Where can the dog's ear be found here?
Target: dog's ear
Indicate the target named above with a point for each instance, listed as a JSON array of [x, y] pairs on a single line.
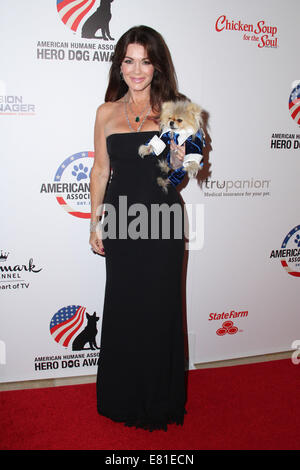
[[166, 105], [196, 110]]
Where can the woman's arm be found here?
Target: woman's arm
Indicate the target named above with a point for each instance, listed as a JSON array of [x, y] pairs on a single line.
[[99, 176]]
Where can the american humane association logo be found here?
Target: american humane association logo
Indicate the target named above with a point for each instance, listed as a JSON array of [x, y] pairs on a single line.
[[80, 17], [71, 185], [72, 327], [289, 252], [294, 104], [66, 328]]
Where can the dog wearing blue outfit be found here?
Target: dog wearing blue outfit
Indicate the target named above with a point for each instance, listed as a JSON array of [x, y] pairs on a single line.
[[180, 121]]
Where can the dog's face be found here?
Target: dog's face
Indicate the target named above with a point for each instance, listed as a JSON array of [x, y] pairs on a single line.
[[181, 115]]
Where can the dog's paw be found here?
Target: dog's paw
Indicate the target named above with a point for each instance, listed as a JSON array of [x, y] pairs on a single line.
[[192, 169], [144, 150], [163, 183], [164, 166]]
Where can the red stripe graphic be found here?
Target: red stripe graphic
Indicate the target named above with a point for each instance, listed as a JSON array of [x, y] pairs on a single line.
[[72, 10], [79, 17]]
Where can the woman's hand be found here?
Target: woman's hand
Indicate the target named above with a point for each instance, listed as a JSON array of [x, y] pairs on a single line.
[[96, 243], [177, 155]]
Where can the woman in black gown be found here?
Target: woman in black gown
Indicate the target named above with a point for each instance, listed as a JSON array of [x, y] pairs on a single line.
[[141, 370]]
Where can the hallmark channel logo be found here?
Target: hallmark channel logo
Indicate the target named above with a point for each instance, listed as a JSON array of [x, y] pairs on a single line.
[[261, 33], [14, 275], [289, 252], [71, 185]]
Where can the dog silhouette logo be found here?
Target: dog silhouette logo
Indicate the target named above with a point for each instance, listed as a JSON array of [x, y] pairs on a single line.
[[99, 20], [88, 335], [74, 13], [66, 328]]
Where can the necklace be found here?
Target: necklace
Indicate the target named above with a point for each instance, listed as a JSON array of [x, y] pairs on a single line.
[[137, 119]]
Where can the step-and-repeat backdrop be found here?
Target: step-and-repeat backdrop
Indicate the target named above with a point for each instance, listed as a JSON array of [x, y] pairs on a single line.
[[236, 58]]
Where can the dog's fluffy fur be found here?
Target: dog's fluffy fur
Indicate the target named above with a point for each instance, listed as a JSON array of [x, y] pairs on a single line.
[[177, 116]]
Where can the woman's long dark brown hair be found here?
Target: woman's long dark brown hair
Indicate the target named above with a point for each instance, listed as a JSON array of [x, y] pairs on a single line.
[[164, 83]]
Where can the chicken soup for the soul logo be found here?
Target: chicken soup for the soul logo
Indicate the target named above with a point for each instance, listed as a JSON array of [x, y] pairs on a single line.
[[260, 33]]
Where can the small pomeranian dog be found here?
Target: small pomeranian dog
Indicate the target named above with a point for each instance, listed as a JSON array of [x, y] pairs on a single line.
[[180, 121], [181, 116]]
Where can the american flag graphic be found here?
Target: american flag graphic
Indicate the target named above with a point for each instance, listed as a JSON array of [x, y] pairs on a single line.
[[71, 12], [294, 104], [58, 176], [290, 269], [65, 323]]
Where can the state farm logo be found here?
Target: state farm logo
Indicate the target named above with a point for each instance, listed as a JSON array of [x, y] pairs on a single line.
[[262, 34], [228, 326]]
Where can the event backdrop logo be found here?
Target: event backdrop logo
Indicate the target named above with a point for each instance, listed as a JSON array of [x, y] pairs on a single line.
[[294, 104], [88, 19], [240, 188], [14, 275], [289, 140], [75, 14], [65, 328], [227, 326], [72, 184], [289, 253], [16, 105], [261, 33]]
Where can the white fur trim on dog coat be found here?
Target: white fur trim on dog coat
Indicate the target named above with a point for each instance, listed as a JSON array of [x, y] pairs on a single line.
[[191, 157]]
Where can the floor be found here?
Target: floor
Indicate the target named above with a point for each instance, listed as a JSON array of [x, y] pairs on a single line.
[[92, 378]]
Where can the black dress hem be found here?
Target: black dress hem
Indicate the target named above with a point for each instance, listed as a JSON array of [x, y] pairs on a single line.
[[148, 424]]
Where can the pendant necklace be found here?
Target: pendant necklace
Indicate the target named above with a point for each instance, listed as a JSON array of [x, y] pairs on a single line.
[[137, 119]]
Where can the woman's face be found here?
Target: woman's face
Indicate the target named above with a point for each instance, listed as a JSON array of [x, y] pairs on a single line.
[[136, 68]]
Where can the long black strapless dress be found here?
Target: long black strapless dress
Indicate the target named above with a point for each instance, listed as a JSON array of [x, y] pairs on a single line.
[[141, 370]]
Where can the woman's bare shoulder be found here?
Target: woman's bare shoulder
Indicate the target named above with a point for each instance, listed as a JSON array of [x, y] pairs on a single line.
[[106, 110]]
